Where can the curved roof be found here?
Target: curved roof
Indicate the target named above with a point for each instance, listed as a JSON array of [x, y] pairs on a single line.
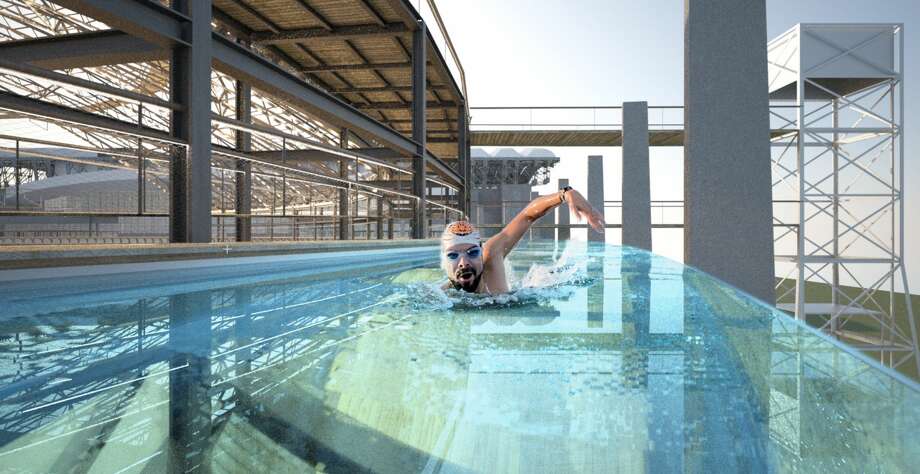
[[513, 153]]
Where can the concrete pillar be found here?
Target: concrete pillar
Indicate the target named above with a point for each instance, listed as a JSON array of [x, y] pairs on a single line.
[[244, 177], [596, 191], [728, 213], [547, 220], [190, 86], [419, 188], [563, 233], [637, 206]]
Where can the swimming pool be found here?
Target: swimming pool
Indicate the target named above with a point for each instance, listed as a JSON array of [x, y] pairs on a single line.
[[605, 359]]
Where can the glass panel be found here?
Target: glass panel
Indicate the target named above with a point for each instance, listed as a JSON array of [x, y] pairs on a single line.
[[600, 360]]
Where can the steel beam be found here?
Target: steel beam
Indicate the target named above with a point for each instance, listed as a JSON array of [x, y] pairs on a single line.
[[357, 90], [163, 27], [91, 49], [431, 104], [338, 33], [405, 12], [419, 105], [248, 66], [355, 67], [293, 156], [244, 177], [39, 109], [151, 21], [190, 86]]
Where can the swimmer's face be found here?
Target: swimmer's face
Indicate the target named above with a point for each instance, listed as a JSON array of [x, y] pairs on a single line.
[[463, 264]]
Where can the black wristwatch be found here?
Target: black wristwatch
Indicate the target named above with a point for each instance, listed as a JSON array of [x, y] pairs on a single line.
[[562, 193]]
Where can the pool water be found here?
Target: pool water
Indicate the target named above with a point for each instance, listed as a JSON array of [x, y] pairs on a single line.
[[602, 359]]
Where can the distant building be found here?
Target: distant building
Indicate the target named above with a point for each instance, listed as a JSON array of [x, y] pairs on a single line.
[[502, 186]]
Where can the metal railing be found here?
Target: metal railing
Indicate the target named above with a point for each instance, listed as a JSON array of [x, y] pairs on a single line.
[[569, 118], [428, 10], [597, 118]]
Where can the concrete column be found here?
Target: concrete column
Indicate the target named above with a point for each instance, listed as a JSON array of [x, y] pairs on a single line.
[[727, 190], [244, 177], [548, 219], [563, 233], [419, 188], [637, 206], [344, 210], [190, 86], [596, 191]]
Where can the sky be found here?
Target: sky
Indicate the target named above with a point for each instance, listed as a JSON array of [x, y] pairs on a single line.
[[605, 52]]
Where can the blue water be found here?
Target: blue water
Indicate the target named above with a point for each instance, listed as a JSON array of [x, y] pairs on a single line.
[[601, 359]]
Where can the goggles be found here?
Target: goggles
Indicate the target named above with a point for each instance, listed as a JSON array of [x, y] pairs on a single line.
[[472, 252]]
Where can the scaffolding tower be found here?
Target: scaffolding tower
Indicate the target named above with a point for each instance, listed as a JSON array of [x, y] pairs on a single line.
[[838, 166]]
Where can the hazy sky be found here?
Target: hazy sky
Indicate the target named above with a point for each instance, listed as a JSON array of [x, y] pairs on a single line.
[[593, 52]]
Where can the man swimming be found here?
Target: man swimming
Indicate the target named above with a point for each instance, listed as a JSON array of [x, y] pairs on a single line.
[[480, 268]]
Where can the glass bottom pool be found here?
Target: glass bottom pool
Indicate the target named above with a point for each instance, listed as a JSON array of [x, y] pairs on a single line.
[[603, 359]]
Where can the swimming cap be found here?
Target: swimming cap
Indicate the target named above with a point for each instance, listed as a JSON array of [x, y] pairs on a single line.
[[459, 232]]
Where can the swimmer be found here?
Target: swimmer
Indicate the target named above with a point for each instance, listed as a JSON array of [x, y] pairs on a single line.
[[480, 268]]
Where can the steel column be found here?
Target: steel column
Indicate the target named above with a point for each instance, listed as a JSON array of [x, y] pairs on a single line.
[[419, 162], [16, 173], [344, 210], [190, 85], [243, 167], [379, 227], [800, 167], [835, 267], [463, 158]]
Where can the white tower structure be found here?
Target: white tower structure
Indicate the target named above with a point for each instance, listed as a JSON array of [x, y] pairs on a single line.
[[838, 159]]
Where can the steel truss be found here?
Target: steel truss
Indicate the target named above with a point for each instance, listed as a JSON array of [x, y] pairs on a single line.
[[839, 171], [287, 190]]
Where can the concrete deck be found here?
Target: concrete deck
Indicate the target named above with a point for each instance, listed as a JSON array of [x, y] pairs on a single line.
[[40, 256]]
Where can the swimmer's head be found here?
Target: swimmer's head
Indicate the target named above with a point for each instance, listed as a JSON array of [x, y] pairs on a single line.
[[461, 255]]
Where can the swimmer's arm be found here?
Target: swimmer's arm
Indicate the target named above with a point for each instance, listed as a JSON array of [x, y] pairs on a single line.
[[503, 242]]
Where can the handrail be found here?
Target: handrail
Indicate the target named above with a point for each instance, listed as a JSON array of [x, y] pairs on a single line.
[[451, 50], [661, 118]]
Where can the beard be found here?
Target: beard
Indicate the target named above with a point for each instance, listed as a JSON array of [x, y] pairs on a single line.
[[467, 281]]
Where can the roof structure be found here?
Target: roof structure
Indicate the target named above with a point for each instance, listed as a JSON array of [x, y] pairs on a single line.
[[332, 90]]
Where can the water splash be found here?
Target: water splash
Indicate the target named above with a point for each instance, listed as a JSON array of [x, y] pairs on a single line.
[[554, 280]]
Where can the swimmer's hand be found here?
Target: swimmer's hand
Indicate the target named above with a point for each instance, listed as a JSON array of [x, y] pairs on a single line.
[[580, 208]]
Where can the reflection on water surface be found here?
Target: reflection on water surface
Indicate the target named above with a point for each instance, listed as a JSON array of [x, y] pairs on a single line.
[[601, 360]]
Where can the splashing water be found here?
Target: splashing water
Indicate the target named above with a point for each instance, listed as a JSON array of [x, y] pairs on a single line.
[[542, 282]]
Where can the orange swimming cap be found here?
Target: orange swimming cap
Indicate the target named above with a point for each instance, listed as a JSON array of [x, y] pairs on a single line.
[[459, 232]]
